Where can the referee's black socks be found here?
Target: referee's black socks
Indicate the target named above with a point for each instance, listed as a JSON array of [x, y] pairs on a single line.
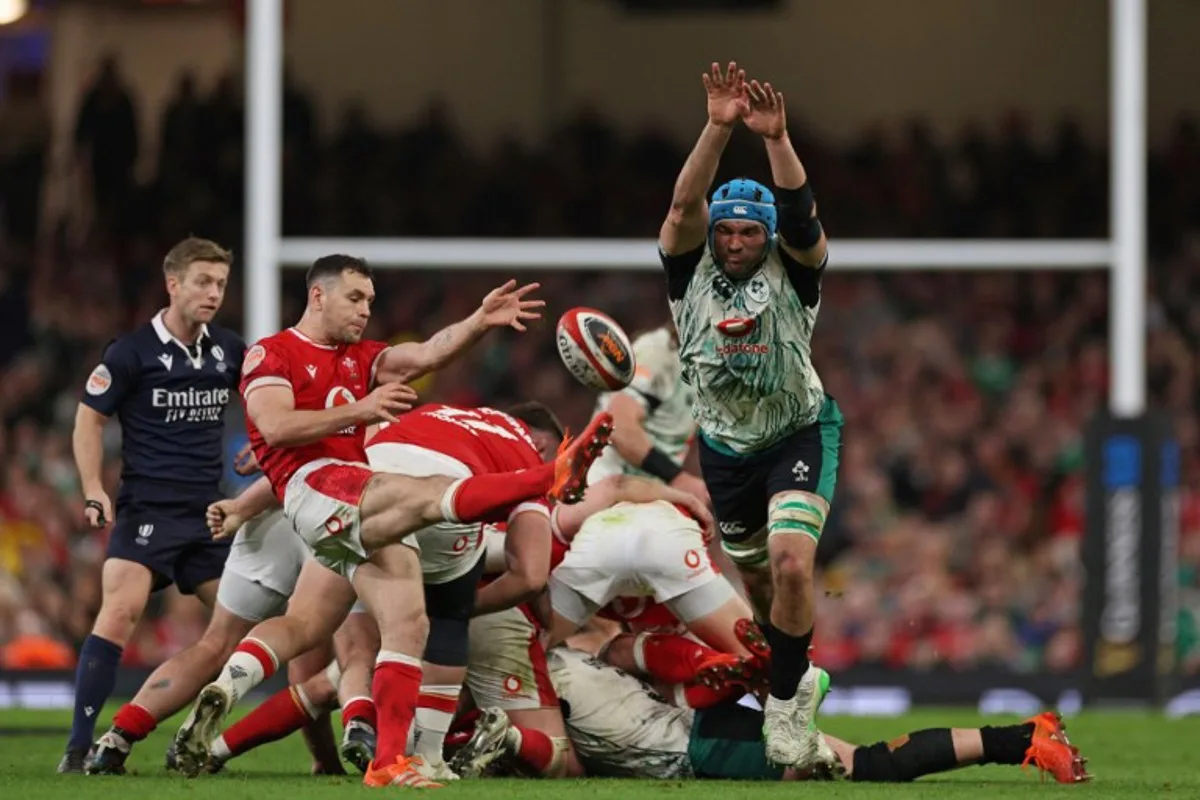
[[789, 660]]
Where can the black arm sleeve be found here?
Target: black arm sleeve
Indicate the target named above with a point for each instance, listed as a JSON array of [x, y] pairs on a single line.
[[805, 280], [680, 269]]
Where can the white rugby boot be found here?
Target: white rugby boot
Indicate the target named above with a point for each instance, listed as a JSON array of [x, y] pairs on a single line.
[[789, 726]]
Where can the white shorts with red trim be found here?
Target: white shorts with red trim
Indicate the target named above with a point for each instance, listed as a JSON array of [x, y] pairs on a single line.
[[448, 550], [322, 501], [506, 663], [635, 550]]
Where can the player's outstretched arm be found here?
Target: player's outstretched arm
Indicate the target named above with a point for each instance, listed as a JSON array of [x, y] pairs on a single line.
[[507, 306], [686, 224], [800, 231], [272, 409], [87, 440]]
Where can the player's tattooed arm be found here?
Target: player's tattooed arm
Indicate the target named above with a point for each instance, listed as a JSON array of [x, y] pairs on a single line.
[[687, 220], [507, 306]]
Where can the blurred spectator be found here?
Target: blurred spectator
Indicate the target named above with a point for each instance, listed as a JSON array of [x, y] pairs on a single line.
[[955, 537], [106, 135]]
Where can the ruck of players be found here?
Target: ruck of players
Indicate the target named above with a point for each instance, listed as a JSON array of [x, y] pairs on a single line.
[[478, 591]]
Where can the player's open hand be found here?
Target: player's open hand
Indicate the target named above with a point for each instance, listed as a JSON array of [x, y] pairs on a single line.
[[387, 401], [223, 519], [765, 113], [98, 509], [245, 462], [508, 306], [727, 100]]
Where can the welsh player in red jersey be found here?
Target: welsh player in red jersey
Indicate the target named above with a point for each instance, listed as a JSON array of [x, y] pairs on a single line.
[[309, 393], [458, 443]]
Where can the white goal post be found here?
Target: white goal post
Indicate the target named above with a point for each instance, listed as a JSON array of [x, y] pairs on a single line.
[[267, 253]]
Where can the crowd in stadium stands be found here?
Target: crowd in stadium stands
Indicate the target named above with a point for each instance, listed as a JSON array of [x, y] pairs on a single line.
[[957, 525]]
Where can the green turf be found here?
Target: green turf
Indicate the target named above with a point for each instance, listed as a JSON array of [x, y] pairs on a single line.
[[1132, 755]]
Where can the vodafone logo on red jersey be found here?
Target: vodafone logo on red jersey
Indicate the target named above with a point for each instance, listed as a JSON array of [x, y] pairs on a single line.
[[341, 396]]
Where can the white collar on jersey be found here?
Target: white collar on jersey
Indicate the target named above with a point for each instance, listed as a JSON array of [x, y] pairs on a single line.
[[166, 337], [307, 339]]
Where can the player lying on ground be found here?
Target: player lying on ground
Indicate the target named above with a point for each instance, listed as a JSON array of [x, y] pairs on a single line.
[[308, 398], [744, 284], [620, 727], [168, 382]]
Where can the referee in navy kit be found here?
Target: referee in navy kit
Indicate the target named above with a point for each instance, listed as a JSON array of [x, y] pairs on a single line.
[[168, 382]]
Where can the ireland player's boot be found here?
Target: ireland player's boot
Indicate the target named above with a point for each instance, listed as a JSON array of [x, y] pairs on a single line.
[[789, 727]]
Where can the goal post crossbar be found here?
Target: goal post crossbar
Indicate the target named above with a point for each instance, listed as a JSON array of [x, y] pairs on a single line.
[[639, 254]]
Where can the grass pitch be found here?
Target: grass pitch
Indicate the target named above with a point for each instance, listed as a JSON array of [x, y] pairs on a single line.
[[1132, 756]]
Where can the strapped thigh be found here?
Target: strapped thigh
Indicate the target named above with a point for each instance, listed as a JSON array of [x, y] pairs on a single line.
[[795, 512]]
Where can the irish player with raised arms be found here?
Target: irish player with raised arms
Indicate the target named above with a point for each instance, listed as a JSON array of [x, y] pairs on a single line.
[[744, 286], [310, 391]]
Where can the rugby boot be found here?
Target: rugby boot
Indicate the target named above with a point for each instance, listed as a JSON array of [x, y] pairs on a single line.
[[1051, 751], [109, 754], [404, 772], [202, 726], [576, 456], [792, 738], [73, 762], [485, 746], [358, 744]]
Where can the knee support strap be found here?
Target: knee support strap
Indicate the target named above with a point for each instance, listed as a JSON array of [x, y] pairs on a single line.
[[797, 512]]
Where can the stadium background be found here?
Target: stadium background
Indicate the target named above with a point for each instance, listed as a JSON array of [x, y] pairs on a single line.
[[954, 550]]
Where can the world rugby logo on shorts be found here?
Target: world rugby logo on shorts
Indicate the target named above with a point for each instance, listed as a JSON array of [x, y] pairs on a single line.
[[144, 534]]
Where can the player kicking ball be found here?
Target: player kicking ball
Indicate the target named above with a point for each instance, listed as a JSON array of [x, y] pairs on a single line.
[[310, 392]]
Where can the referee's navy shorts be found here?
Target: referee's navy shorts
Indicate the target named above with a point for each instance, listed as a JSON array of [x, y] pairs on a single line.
[[162, 528]]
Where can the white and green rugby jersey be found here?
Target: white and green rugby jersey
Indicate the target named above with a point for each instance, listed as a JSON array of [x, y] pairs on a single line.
[[657, 384], [746, 347]]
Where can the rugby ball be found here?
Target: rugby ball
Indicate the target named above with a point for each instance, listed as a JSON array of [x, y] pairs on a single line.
[[595, 349]]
